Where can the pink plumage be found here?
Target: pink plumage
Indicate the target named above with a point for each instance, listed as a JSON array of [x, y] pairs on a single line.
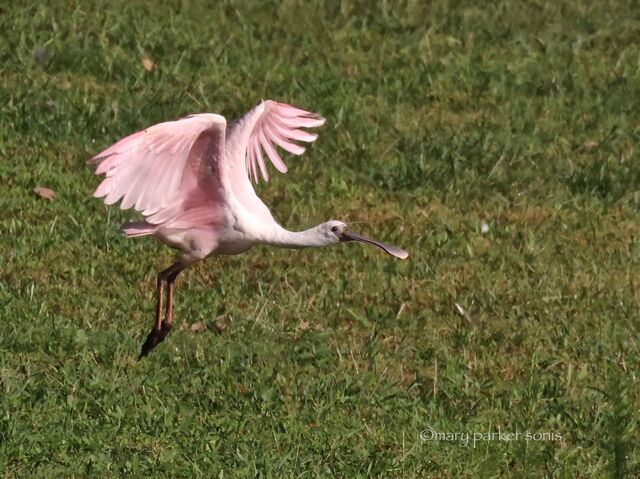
[[190, 179]]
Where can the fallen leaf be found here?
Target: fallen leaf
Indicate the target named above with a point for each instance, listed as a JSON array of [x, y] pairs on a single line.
[[148, 64], [303, 325], [218, 326], [590, 145], [45, 193], [241, 388], [198, 327]]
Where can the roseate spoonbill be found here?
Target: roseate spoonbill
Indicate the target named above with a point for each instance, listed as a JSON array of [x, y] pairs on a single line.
[[190, 180]]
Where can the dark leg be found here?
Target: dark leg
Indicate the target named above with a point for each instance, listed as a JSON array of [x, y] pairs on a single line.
[[162, 328], [168, 320]]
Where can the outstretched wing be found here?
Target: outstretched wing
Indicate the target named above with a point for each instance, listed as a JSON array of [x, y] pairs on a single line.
[[169, 172], [266, 126]]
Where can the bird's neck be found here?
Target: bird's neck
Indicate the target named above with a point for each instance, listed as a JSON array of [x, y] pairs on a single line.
[[295, 239]]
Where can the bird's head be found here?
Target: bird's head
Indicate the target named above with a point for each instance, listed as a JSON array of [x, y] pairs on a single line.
[[337, 232]]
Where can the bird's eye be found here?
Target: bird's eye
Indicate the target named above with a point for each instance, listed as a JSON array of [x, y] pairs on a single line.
[[334, 229]]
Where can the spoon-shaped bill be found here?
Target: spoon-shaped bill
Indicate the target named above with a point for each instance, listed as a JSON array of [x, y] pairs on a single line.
[[392, 250]]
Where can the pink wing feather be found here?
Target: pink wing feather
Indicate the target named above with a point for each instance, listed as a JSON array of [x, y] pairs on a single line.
[[277, 124], [164, 172], [178, 173]]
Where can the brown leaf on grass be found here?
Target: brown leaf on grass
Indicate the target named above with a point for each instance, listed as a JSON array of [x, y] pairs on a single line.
[[45, 193], [590, 145], [242, 389], [304, 325], [218, 326], [198, 327], [148, 64]]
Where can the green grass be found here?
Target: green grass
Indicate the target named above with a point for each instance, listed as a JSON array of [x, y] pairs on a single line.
[[441, 117]]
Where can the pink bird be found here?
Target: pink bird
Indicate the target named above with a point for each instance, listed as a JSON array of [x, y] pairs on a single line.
[[190, 179]]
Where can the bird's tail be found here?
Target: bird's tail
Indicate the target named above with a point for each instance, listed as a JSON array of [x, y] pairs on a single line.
[[138, 228]]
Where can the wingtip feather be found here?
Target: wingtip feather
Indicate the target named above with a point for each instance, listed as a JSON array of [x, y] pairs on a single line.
[[277, 124]]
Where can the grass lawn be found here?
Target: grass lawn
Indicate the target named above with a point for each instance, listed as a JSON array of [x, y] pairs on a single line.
[[497, 143]]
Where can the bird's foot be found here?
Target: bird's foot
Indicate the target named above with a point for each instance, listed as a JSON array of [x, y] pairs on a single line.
[[155, 337]]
